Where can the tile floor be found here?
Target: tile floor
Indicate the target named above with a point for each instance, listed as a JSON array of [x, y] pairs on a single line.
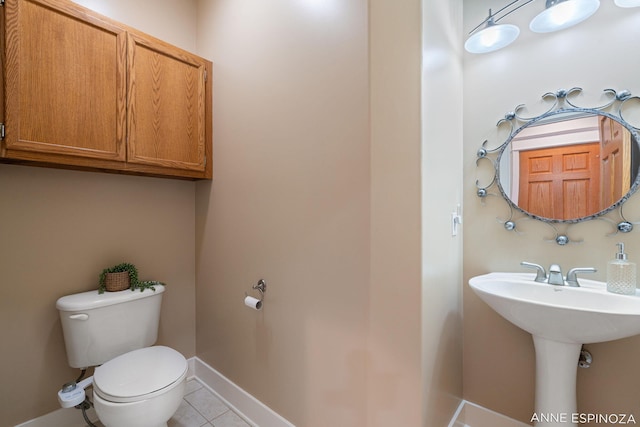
[[201, 408]]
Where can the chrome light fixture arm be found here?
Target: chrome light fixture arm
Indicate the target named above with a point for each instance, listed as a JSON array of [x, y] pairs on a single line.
[[494, 18]]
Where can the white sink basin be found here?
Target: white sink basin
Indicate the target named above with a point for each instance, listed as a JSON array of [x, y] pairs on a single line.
[[560, 319], [583, 315]]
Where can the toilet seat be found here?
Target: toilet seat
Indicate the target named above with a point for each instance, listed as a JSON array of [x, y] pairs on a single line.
[[139, 374]]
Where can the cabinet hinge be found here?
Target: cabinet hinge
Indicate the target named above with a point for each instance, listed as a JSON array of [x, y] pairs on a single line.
[[1, 2], [1, 130], [205, 71]]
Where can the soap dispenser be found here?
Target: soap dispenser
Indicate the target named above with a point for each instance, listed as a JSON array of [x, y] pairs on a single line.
[[621, 274]]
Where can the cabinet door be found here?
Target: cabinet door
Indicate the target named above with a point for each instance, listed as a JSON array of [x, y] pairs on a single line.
[[166, 105], [65, 84]]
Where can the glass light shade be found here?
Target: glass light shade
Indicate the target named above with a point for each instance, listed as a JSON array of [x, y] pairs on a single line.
[[492, 37], [563, 15], [627, 3]]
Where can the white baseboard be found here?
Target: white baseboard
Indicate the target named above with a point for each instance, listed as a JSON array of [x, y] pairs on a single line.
[[471, 414], [70, 417], [253, 411], [455, 420]]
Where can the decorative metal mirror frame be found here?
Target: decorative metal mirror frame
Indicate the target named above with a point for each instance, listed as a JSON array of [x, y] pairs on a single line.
[[561, 102]]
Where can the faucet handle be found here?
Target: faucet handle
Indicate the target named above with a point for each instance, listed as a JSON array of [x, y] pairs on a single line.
[[541, 274], [572, 277]]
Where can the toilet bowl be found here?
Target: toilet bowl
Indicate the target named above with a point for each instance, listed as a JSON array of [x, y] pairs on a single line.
[[141, 388]]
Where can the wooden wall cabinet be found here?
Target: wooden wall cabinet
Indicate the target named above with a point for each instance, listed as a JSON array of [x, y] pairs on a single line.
[[83, 91]]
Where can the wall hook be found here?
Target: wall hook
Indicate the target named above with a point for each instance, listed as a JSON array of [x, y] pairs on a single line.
[[261, 286]]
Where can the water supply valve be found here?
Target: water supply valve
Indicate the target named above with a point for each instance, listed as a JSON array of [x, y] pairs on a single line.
[[585, 359], [73, 394]]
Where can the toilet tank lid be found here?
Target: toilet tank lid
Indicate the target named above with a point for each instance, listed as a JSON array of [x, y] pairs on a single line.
[[139, 372], [92, 299]]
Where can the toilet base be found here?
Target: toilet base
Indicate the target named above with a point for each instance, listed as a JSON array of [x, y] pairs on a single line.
[[153, 412]]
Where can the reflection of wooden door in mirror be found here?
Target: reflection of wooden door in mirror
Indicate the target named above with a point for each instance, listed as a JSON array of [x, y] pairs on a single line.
[[615, 165], [561, 182]]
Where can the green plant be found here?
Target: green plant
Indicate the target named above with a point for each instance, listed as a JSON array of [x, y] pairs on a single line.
[[134, 281], [147, 284]]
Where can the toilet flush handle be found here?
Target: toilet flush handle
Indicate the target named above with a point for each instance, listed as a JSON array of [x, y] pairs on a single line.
[[79, 316]]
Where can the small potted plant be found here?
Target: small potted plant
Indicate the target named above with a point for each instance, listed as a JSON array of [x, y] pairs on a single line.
[[124, 276]]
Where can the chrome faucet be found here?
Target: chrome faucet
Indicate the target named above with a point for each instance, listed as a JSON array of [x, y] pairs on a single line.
[[555, 274]]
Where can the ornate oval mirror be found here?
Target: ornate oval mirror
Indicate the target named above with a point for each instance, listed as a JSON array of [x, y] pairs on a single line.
[[567, 165]]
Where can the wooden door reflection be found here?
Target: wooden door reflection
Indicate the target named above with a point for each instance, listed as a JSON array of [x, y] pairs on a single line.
[[561, 182]]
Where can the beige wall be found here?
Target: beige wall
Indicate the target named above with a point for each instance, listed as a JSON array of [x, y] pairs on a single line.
[[168, 20], [395, 381], [59, 229], [289, 203], [441, 195], [317, 190], [498, 357], [415, 376]]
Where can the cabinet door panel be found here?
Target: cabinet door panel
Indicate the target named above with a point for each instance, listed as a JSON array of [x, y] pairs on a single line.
[[66, 81], [166, 105]]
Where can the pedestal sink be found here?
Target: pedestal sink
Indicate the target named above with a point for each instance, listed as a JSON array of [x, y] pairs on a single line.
[[560, 319]]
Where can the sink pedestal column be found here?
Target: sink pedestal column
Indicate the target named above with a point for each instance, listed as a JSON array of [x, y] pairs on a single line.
[[556, 371]]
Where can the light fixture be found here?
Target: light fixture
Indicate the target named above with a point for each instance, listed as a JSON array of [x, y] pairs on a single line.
[[557, 15], [627, 3], [561, 14], [492, 37]]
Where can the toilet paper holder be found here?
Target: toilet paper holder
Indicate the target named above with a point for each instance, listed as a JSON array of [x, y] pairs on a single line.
[[261, 287]]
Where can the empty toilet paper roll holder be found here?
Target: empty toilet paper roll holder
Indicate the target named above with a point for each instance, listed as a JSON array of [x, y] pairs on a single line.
[[261, 287]]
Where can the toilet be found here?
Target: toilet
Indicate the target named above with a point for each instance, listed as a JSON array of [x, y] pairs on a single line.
[[135, 384]]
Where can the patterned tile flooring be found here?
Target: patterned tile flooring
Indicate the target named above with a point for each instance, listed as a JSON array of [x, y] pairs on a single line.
[[201, 408]]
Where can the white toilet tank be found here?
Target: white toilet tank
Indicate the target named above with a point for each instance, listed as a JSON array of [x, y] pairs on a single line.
[[99, 327]]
